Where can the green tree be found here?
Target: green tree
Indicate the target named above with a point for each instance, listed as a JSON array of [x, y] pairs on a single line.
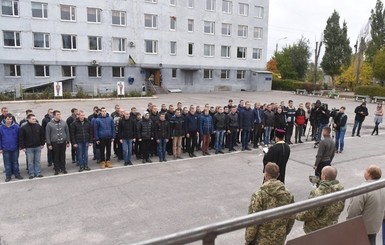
[[377, 30], [292, 61], [337, 47], [348, 79], [379, 66]]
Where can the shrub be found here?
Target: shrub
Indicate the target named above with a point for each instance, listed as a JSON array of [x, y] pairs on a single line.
[[370, 91], [67, 95], [134, 93], [81, 94], [292, 85]]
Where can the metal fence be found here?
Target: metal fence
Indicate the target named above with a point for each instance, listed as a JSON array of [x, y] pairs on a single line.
[[207, 234]]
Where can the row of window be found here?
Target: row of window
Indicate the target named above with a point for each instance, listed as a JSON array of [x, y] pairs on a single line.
[[68, 12], [96, 72], [69, 42]]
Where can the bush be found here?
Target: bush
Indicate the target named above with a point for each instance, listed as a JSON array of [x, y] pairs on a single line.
[[370, 91], [292, 85], [134, 93], [81, 94]]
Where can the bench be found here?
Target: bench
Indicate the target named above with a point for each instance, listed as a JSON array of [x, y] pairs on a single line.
[[318, 93], [378, 98], [300, 91], [334, 95], [361, 97]]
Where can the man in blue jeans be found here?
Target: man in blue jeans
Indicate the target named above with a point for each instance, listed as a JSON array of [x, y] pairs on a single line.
[[81, 139], [220, 125], [9, 146], [127, 132], [340, 127], [361, 112], [246, 125], [162, 134]]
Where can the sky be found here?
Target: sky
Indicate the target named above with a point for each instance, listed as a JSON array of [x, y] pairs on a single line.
[[296, 18]]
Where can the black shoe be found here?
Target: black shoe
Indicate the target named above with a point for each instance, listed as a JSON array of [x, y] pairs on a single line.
[[148, 160], [194, 155], [352, 135], [87, 168], [125, 163], [40, 176], [65, 171], [49, 164], [129, 163], [7, 179], [358, 135], [300, 142], [160, 160], [221, 152], [19, 177], [207, 153], [164, 160], [56, 172], [248, 149], [216, 152], [295, 142], [144, 161], [179, 157], [73, 161], [30, 177], [81, 169], [190, 155]]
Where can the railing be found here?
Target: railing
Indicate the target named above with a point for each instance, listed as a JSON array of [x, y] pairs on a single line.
[[207, 234]]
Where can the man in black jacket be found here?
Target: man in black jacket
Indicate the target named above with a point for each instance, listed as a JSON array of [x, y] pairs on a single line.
[[220, 125], [361, 112], [162, 134], [326, 151], [145, 136], [32, 140], [192, 131], [233, 127], [340, 127], [127, 132], [69, 121], [81, 139], [47, 118], [246, 125]]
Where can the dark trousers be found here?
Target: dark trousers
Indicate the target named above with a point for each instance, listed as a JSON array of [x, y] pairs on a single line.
[[145, 148], [320, 166], [257, 133], [118, 149], [233, 138], [289, 132], [191, 142], [49, 156], [59, 156], [357, 125], [73, 153], [372, 239], [375, 130], [298, 132], [105, 149]]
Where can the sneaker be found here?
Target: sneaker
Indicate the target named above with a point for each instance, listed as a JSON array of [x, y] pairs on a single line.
[[179, 157], [358, 135], [81, 169], [65, 171], [7, 179], [73, 161], [49, 164], [19, 177], [87, 168], [30, 177], [300, 142], [160, 160]]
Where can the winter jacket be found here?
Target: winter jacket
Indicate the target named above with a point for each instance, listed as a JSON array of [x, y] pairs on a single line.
[[104, 127], [47, 118], [272, 193], [81, 131], [145, 129], [169, 115], [324, 216], [162, 129], [9, 137], [259, 116], [192, 123], [233, 120], [300, 116], [246, 119], [57, 132], [340, 121], [280, 121], [290, 115], [361, 113], [177, 125], [127, 128], [220, 121], [269, 118], [31, 135], [206, 124]]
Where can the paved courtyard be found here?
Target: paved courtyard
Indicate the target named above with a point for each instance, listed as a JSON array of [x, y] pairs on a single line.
[[124, 205]]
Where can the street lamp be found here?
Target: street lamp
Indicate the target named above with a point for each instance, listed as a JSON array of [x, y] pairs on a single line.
[[276, 45]]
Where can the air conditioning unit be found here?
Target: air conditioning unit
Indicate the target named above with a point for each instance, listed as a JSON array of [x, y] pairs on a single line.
[[131, 44], [94, 62]]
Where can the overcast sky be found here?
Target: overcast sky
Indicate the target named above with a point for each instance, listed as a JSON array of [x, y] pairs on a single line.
[[296, 18]]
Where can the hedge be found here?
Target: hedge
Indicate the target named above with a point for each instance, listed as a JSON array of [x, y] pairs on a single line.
[[292, 85], [370, 91]]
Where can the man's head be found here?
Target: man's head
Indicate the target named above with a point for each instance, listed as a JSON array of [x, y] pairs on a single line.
[[271, 171], [171, 108], [74, 111], [126, 114], [192, 109], [103, 111], [56, 115], [280, 134], [233, 109], [4, 111], [178, 112], [133, 109], [31, 118], [373, 172], [342, 109], [8, 119], [81, 115], [220, 109], [326, 131], [247, 104], [329, 173], [268, 107], [290, 103], [363, 104], [154, 109], [28, 111], [164, 107], [50, 112], [162, 116], [257, 105]]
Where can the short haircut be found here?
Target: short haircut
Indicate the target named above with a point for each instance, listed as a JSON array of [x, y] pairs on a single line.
[[272, 170], [81, 111], [9, 115], [30, 115], [102, 108], [327, 130], [3, 108], [55, 112], [374, 171], [73, 110], [343, 107], [290, 101], [28, 111], [178, 110]]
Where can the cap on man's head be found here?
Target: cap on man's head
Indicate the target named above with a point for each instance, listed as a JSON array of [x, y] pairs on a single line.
[[280, 133]]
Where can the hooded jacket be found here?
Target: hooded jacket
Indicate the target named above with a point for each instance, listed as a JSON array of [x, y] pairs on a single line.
[[9, 137], [104, 127], [321, 217], [272, 193]]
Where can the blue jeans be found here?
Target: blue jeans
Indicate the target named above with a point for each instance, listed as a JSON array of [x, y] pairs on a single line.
[[127, 149], [33, 157], [245, 138], [319, 132], [340, 137], [357, 125], [82, 154], [267, 135], [219, 139], [162, 148], [11, 163]]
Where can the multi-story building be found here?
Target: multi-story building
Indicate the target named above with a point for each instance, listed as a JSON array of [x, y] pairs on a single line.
[[192, 45]]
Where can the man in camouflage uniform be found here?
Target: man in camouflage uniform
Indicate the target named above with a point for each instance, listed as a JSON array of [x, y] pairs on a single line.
[[321, 217], [272, 193]]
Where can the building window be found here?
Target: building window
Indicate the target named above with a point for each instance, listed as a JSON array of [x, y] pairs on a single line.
[[150, 21], [68, 71], [118, 71], [257, 53], [190, 3], [150, 1], [39, 10], [242, 31], [241, 74], [190, 49], [41, 40], [226, 29], [225, 51], [68, 12], [12, 70], [118, 18], [173, 73], [173, 2], [259, 10], [225, 74], [11, 39], [208, 74], [258, 33], [208, 50], [94, 15], [241, 52], [243, 9], [94, 71], [190, 25], [118, 44], [151, 46], [173, 23], [210, 5], [173, 48], [95, 43], [41, 71], [227, 6], [10, 7], [209, 27], [69, 42]]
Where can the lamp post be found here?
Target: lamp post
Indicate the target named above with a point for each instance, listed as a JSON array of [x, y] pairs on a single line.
[[276, 45]]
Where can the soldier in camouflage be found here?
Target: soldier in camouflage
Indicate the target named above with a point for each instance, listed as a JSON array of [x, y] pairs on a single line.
[[327, 215], [272, 193]]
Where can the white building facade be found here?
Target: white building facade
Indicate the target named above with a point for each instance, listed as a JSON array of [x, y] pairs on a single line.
[[191, 45]]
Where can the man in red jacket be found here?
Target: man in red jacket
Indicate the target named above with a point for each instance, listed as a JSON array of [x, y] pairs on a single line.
[[299, 123]]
